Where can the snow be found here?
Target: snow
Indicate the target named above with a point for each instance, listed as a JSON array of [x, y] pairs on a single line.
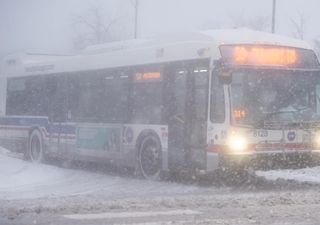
[[47, 194], [310, 175], [20, 179]]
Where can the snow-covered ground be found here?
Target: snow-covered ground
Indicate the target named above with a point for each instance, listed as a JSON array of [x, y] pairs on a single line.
[[310, 175], [20, 179], [45, 194]]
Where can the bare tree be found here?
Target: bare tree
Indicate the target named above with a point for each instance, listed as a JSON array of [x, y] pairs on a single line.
[[299, 26], [261, 23], [93, 27]]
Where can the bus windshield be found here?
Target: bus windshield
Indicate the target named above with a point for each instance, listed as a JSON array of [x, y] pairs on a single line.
[[261, 97]]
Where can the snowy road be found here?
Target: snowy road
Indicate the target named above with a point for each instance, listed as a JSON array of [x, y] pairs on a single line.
[[24, 180], [45, 194]]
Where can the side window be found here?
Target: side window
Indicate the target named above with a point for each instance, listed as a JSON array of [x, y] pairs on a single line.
[[116, 92], [86, 94], [74, 98], [56, 97], [99, 96], [25, 96], [147, 97], [16, 97], [217, 107]]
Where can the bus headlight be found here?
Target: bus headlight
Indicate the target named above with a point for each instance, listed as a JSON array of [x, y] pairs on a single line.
[[316, 140], [237, 143]]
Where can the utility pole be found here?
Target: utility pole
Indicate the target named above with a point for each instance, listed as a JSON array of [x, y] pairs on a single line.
[[136, 7], [273, 16]]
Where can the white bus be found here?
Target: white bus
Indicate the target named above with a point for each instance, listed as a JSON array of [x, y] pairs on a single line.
[[194, 101]]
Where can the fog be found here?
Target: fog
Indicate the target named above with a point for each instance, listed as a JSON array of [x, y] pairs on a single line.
[[45, 26], [230, 138]]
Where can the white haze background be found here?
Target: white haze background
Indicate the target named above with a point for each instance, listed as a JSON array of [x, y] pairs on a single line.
[[44, 26]]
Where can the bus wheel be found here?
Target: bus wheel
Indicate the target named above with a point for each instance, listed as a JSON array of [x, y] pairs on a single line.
[[150, 158], [35, 150]]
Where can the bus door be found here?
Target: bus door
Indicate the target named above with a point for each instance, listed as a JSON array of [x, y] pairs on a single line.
[[196, 109], [175, 99], [185, 98]]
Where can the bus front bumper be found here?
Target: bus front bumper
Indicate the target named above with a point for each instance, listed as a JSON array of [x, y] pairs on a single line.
[[264, 160]]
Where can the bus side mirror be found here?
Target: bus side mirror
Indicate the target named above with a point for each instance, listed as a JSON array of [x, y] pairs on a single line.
[[225, 77]]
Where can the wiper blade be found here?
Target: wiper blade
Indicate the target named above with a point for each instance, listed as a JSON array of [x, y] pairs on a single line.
[[280, 112], [265, 119]]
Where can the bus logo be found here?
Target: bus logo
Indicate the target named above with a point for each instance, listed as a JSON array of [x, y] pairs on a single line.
[[291, 136]]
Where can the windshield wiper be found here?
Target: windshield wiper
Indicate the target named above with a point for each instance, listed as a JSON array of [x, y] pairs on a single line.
[[294, 110], [282, 123], [266, 116]]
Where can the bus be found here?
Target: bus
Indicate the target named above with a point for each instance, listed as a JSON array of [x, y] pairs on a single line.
[[194, 102]]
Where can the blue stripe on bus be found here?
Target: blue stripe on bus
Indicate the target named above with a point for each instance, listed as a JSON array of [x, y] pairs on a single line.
[[38, 122], [63, 128]]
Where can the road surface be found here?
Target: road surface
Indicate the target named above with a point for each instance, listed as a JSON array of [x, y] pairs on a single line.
[[47, 194]]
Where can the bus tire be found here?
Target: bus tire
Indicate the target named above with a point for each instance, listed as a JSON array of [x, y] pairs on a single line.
[[149, 165], [35, 147]]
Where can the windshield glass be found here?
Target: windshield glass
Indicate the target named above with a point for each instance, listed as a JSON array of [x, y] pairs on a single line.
[[260, 97]]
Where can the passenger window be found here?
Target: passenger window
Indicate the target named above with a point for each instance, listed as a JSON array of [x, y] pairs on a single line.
[[99, 97], [217, 101], [147, 97]]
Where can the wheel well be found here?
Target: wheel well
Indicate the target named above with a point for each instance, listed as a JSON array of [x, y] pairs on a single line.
[[32, 129]]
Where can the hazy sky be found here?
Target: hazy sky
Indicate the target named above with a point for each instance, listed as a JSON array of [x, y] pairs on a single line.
[[45, 25]]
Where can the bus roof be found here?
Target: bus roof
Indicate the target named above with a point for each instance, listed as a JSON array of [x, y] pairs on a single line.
[[177, 47]]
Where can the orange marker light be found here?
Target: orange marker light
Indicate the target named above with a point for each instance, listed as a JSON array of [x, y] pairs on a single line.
[[147, 76], [151, 75], [239, 113]]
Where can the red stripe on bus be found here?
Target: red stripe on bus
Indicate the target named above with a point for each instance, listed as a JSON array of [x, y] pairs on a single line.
[[263, 147], [14, 128]]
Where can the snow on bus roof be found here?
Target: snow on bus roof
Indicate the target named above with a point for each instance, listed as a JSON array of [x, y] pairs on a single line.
[[221, 36], [247, 36], [234, 36], [175, 47], [113, 46]]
